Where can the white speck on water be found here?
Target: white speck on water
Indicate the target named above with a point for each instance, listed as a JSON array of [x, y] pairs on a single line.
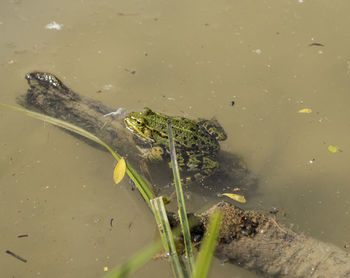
[[300, 1], [320, 52], [257, 51], [54, 26], [107, 87]]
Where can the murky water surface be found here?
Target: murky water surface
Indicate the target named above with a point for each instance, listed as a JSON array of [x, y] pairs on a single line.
[[271, 58]]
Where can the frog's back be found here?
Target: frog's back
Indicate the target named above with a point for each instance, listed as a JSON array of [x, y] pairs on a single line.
[[193, 136]]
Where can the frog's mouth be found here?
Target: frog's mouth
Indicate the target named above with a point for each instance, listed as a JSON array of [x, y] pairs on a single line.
[[138, 128], [132, 124]]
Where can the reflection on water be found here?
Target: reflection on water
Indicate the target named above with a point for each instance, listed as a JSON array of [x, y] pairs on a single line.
[[270, 58]]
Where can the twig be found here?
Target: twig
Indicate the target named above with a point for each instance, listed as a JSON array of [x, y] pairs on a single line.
[[16, 256]]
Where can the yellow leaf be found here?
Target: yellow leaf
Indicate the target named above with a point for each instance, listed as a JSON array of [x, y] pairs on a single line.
[[333, 149], [119, 171], [305, 111], [236, 197]]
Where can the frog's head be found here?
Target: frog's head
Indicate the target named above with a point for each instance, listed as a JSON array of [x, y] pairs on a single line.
[[137, 123]]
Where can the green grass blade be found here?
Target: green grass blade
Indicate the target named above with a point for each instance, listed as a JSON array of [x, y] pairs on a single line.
[[135, 262], [140, 183], [167, 236], [208, 247], [181, 201]]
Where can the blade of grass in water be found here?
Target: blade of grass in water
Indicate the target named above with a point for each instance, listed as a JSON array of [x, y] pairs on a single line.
[[140, 183], [181, 201], [135, 262], [206, 252], [167, 236]]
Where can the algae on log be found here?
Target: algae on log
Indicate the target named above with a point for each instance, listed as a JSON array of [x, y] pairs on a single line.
[[247, 238]]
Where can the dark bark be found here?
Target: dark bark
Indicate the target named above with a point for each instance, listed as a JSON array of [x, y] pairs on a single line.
[[252, 240]]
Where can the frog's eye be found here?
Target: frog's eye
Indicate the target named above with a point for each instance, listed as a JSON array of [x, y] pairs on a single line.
[[138, 122]]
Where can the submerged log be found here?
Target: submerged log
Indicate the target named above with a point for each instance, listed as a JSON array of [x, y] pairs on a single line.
[[247, 238]]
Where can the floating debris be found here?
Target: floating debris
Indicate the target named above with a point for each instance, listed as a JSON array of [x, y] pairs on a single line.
[[334, 149], [54, 26], [25, 235], [312, 160], [119, 111], [305, 111], [316, 44], [16, 256]]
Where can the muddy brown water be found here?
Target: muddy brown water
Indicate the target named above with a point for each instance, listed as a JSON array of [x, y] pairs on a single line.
[[270, 58]]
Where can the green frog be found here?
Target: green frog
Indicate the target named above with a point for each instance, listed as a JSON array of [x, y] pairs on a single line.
[[196, 141]]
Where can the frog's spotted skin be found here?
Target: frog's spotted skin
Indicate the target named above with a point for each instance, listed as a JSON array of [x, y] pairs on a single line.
[[196, 142]]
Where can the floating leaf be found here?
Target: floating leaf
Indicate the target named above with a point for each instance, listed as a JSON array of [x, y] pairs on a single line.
[[333, 149], [119, 171], [305, 111], [236, 197]]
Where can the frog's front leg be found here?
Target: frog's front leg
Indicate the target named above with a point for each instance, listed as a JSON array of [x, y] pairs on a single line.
[[154, 153]]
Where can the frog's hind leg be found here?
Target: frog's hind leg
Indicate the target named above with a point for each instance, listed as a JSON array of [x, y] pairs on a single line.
[[213, 128], [209, 166], [197, 167]]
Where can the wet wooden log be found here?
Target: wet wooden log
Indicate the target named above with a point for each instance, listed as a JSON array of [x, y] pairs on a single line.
[[257, 242], [247, 238]]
